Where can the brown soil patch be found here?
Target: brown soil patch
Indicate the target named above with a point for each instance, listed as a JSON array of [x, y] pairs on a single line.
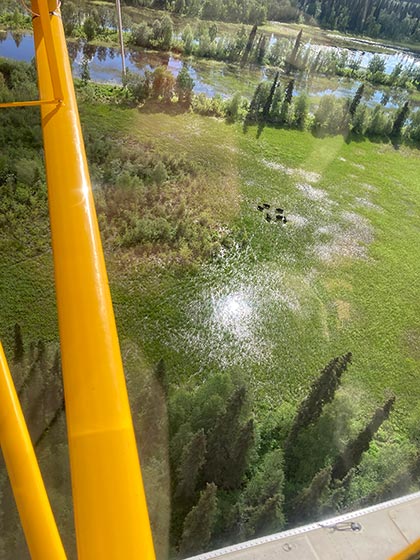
[[411, 341], [343, 310]]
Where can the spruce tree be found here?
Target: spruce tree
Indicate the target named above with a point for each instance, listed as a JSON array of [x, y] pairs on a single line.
[[18, 348], [262, 49], [261, 504], [249, 45], [308, 502], [192, 460], [297, 45], [400, 120], [254, 105], [288, 95], [292, 62], [229, 443], [239, 455], [356, 99], [269, 101], [352, 454], [199, 523], [184, 85]]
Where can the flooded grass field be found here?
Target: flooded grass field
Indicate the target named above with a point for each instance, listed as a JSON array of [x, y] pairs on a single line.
[[282, 299]]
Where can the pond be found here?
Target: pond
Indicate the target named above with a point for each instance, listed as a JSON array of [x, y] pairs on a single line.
[[210, 77]]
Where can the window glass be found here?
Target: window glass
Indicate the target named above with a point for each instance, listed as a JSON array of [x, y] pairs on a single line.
[[255, 173]]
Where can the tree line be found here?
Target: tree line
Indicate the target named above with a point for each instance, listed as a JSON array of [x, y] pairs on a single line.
[[275, 104], [386, 19], [377, 18]]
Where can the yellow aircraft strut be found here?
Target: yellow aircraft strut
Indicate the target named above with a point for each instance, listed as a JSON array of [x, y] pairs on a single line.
[[110, 509], [28, 487]]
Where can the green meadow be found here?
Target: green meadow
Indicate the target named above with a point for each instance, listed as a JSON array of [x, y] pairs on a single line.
[[276, 301], [280, 300]]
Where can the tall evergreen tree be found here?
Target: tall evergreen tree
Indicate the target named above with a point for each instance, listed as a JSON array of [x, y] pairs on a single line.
[[296, 47], [400, 120], [261, 504], [249, 45], [229, 444], [254, 105], [269, 101], [292, 61], [239, 455], [356, 99], [192, 460], [352, 454], [307, 503], [261, 49], [199, 523], [288, 95]]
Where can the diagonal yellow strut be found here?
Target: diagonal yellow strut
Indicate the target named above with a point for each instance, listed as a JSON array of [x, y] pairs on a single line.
[[28, 488]]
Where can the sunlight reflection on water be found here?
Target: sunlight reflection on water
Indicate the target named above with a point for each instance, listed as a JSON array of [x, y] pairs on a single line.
[[237, 322], [233, 312]]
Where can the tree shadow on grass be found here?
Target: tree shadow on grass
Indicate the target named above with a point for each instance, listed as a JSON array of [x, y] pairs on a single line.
[[321, 441], [260, 124], [153, 106]]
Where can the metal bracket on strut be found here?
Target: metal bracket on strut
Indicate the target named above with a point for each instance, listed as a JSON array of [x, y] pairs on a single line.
[[44, 15]]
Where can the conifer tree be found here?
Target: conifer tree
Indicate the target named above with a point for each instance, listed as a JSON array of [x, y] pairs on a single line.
[[261, 505], [199, 523], [307, 504], [356, 99], [229, 443], [192, 460], [254, 105], [269, 101], [288, 95], [249, 45], [239, 455], [261, 49], [400, 120], [18, 350], [297, 45], [352, 454], [252, 111], [292, 62]]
